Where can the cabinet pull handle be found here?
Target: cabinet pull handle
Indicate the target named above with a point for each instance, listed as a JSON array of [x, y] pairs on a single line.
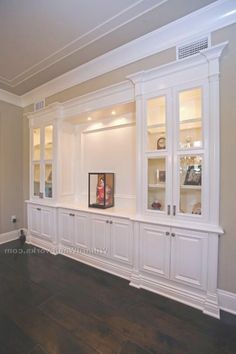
[[107, 221], [174, 210], [167, 233], [39, 209], [111, 222], [72, 214], [168, 209], [172, 234], [41, 195]]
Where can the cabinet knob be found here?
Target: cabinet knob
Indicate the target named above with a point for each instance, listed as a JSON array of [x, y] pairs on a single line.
[[111, 222], [107, 221], [172, 234], [39, 209], [72, 214], [167, 233]]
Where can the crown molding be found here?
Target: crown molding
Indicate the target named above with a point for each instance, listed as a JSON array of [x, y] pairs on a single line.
[[212, 17], [217, 15], [136, 10], [10, 98]]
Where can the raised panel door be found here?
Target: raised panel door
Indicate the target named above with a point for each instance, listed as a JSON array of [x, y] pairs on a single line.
[[189, 257], [47, 224], [66, 227], [35, 220], [121, 240], [155, 249], [100, 232], [82, 231]]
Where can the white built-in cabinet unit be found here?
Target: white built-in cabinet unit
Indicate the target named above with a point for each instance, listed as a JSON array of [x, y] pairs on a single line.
[[159, 133]]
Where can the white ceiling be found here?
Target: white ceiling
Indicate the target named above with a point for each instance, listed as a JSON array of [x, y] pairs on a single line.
[[42, 39]]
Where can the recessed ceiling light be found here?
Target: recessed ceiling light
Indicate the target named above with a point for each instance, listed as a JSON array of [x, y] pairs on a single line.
[[89, 118], [113, 113]]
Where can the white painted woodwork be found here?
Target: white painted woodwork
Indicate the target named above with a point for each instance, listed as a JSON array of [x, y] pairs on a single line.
[[100, 233], [121, 240], [155, 250], [173, 255], [42, 223], [81, 231], [66, 227], [189, 257]]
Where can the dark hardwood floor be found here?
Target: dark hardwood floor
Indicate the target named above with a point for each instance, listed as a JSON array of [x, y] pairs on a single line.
[[52, 304]]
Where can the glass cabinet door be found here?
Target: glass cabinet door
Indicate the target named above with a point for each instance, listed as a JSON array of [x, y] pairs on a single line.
[[190, 184], [156, 124], [190, 119], [156, 198], [42, 162]]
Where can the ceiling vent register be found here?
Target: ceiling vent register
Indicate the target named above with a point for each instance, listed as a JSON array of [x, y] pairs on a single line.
[[193, 48], [39, 105]]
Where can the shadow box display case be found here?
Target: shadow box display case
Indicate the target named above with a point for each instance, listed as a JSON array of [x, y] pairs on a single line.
[[101, 190]]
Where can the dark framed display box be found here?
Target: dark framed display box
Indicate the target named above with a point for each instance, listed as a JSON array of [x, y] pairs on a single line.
[[101, 190]]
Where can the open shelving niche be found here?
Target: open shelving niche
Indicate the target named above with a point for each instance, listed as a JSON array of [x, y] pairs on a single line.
[[105, 141]]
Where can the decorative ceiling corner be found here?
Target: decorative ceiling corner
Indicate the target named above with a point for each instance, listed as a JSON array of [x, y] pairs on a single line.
[[41, 40]]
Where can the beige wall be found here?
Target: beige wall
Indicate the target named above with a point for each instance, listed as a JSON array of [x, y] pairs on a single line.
[[227, 252], [11, 167]]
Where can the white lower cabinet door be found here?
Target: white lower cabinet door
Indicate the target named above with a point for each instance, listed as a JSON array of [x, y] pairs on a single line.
[[82, 236], [34, 212], [155, 249], [121, 240], [66, 227], [47, 224], [189, 257], [100, 233]]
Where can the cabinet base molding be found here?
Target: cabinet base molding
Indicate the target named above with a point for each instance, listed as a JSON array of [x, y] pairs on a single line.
[[9, 236], [227, 301], [47, 246], [187, 297]]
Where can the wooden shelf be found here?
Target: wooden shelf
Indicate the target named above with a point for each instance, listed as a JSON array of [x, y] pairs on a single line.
[[157, 185], [187, 186]]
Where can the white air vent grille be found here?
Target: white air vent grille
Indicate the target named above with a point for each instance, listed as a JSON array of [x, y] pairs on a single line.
[[39, 105], [192, 48]]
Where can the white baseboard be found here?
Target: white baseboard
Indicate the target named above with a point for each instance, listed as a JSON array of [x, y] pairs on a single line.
[[9, 236], [227, 301]]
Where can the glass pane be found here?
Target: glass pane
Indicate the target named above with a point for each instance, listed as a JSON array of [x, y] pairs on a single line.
[[190, 119], [48, 142], [190, 185], [156, 183], [36, 144], [36, 179], [48, 180], [156, 123]]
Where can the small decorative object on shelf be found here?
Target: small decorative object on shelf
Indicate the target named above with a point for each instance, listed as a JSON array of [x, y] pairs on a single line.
[[101, 190], [161, 143], [197, 209], [162, 176], [194, 175], [156, 205]]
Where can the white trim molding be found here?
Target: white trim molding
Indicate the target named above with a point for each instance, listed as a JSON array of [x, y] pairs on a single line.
[[10, 98], [217, 15], [227, 301], [9, 236]]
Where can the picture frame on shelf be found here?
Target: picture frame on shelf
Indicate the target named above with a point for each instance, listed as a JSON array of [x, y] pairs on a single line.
[[161, 143], [193, 176]]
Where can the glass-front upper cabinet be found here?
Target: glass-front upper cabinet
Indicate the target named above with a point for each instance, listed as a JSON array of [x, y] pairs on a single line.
[[189, 164], [42, 162], [156, 151], [174, 150]]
